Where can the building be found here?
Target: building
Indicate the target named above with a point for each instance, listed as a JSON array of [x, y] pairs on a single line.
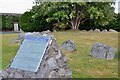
[[9, 21]]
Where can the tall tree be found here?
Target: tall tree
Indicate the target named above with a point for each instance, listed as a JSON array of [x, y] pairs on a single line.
[[73, 14]]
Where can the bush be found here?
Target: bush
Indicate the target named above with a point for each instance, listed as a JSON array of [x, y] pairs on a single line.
[[29, 24]]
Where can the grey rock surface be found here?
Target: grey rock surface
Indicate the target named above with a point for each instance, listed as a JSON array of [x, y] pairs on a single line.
[[61, 72], [102, 51], [111, 30], [91, 30], [105, 30], [53, 65], [69, 45], [96, 30], [53, 74]]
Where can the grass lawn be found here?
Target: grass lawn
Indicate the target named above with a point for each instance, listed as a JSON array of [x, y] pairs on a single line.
[[81, 64]]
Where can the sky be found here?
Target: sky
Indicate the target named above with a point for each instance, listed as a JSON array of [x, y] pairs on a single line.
[[20, 6], [15, 6]]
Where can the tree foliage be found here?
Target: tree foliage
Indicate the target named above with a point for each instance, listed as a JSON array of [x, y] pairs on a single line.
[[29, 22], [67, 14]]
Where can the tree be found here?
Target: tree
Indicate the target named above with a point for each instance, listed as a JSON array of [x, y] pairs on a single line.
[[69, 14], [74, 14], [9, 22], [30, 21], [26, 22]]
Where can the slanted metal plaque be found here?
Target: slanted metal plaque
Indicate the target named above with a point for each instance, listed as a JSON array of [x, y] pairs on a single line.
[[30, 53]]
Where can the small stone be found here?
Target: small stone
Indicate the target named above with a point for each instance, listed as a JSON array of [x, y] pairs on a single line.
[[20, 71], [1, 75], [17, 75], [61, 63], [54, 31], [105, 30], [11, 75], [55, 45], [111, 30], [58, 55], [64, 59], [96, 30], [68, 72], [43, 63], [10, 70], [61, 72], [30, 74], [91, 30], [5, 74], [69, 45], [52, 63], [53, 74], [43, 72], [51, 51]]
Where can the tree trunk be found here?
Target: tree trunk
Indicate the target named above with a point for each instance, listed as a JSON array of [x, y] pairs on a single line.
[[75, 23]]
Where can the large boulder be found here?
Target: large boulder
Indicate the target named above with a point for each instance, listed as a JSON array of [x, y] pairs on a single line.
[[102, 51], [53, 65], [69, 45]]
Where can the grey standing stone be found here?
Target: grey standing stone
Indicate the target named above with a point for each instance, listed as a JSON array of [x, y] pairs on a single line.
[[102, 51], [69, 45]]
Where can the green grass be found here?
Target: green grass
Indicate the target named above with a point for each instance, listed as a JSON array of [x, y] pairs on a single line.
[[0, 51], [8, 49], [81, 64]]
